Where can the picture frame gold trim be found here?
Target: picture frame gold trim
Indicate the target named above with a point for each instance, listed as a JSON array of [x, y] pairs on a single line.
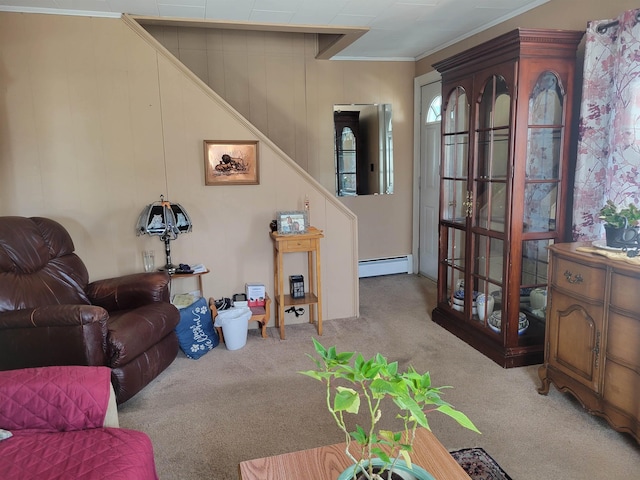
[[231, 162]]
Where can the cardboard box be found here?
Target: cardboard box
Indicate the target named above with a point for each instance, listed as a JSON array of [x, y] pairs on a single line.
[[255, 294]]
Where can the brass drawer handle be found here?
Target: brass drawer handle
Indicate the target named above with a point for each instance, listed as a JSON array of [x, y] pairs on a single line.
[[596, 350], [573, 278]]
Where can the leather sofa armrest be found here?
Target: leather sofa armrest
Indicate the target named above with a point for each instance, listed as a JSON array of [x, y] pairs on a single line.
[[53, 335], [129, 291], [54, 316]]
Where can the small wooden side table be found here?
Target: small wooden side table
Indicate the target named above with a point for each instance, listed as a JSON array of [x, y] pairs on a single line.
[[258, 314], [301, 242], [178, 276]]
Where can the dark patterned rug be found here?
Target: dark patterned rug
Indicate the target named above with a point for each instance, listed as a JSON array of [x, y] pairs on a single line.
[[479, 465]]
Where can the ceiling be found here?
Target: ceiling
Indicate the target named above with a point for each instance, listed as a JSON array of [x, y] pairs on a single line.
[[395, 29]]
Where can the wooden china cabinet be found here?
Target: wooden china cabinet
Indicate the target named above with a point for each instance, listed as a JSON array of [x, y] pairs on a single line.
[[507, 109]]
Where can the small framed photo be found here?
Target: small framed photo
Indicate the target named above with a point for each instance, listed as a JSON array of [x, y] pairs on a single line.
[[291, 223], [231, 162]]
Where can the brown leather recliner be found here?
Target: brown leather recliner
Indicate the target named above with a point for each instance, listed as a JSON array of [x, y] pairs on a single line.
[[51, 315]]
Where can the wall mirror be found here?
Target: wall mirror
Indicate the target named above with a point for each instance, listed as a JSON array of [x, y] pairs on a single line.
[[363, 149]]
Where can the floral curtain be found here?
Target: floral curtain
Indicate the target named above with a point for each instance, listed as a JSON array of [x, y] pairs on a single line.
[[608, 158]]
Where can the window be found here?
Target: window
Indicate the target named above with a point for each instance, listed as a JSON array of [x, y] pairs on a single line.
[[434, 113]]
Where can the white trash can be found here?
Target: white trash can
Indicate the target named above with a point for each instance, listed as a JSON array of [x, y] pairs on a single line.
[[235, 326]]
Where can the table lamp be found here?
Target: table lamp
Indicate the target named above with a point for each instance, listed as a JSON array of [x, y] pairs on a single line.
[[166, 220]]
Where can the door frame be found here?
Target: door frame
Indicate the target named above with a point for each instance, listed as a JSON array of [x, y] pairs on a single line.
[[418, 83]]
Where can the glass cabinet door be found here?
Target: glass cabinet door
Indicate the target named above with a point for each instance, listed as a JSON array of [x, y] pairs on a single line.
[[454, 191], [544, 141], [490, 193], [542, 179], [492, 156], [455, 157]]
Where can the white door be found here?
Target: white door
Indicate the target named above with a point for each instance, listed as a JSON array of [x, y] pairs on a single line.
[[429, 178]]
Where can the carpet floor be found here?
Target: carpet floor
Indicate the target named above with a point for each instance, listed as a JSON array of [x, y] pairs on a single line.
[[479, 465], [206, 416]]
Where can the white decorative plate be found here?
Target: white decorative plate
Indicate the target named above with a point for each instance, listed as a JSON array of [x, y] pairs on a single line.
[[603, 245]]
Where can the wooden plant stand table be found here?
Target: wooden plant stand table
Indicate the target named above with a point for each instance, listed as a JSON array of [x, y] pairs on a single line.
[[303, 242], [326, 463]]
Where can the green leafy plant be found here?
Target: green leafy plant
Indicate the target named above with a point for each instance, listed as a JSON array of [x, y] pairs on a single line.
[[625, 217], [351, 382]]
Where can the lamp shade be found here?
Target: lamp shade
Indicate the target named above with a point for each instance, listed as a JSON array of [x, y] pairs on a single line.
[[166, 220]]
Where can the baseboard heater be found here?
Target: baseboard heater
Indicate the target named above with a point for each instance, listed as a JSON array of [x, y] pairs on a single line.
[[385, 266]]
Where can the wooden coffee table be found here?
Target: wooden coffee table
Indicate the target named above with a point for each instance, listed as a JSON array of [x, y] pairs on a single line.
[[326, 463]]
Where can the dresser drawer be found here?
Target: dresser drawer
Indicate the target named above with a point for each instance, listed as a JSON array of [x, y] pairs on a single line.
[[296, 245], [623, 338], [621, 386], [574, 277], [625, 292]]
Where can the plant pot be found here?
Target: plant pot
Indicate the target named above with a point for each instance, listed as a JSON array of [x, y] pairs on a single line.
[[621, 237], [400, 472]]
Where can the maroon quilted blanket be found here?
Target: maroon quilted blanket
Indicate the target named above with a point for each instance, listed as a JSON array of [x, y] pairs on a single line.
[[55, 416]]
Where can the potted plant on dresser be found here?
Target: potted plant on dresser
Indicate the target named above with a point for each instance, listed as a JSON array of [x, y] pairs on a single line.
[[621, 224], [352, 382]]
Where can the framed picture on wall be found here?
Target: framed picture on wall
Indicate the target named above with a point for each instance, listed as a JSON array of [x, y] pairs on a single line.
[[231, 162], [291, 223]]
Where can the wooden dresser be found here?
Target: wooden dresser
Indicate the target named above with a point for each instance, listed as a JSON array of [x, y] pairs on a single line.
[[592, 343]]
